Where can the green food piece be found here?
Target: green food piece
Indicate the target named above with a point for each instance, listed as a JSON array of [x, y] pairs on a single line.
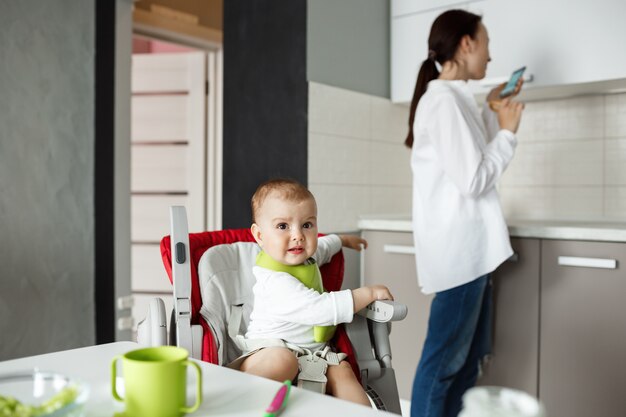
[[11, 407]]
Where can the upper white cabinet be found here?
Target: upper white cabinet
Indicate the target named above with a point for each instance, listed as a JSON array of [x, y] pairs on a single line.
[[402, 7], [568, 47], [409, 48]]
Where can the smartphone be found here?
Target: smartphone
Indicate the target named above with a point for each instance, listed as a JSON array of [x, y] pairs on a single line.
[[509, 88]]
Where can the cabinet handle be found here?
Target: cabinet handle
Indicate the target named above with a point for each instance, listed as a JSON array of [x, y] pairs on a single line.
[[400, 249], [587, 262]]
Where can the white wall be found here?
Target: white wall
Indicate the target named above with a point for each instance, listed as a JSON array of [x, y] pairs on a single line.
[[357, 162], [570, 161]]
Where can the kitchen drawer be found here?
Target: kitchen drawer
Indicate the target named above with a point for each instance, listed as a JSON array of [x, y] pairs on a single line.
[[388, 260], [583, 332], [515, 347]]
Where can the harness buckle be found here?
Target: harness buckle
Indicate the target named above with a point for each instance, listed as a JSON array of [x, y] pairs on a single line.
[[312, 373]]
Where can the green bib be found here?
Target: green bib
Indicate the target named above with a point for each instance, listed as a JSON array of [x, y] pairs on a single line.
[[309, 275]]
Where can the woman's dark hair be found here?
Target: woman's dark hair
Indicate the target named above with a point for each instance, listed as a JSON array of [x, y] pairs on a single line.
[[445, 36]]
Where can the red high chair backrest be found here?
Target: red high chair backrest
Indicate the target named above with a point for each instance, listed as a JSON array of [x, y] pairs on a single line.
[[332, 276]]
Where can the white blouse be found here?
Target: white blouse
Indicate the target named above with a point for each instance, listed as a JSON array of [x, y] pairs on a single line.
[[457, 158]]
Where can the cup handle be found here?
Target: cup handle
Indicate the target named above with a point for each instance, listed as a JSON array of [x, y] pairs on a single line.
[[198, 388], [114, 378]]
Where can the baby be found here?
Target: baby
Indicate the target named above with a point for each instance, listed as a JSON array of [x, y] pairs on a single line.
[[289, 301]]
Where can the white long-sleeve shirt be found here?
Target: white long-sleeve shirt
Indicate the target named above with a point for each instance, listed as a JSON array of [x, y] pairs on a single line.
[[457, 158], [284, 308]]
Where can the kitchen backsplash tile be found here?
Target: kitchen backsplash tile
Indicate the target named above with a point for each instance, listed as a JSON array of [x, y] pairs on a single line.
[[390, 164], [340, 205], [527, 202], [388, 199], [340, 159], [615, 203], [340, 112], [570, 162], [390, 122], [570, 156], [575, 163], [615, 117], [615, 161], [358, 163], [568, 119], [580, 202]]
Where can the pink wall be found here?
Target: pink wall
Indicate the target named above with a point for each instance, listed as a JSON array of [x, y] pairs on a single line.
[[151, 46]]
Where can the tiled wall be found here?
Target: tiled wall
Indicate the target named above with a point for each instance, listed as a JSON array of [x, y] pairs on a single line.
[[569, 163], [357, 161]]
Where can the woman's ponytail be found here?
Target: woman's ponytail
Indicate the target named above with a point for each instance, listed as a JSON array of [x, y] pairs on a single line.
[[445, 35], [428, 72]]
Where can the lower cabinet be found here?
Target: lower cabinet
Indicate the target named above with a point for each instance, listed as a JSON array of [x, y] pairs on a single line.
[[390, 260], [515, 344], [583, 329], [559, 320]]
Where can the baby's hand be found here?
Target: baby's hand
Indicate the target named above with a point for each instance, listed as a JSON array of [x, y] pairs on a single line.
[[366, 295], [380, 292], [353, 242]]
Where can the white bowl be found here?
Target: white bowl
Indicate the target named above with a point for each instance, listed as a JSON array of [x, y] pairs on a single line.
[[38, 393]]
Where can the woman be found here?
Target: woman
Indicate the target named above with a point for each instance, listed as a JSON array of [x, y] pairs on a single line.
[[460, 234]]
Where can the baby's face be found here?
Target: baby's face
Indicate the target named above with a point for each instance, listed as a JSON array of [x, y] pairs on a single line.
[[287, 230]]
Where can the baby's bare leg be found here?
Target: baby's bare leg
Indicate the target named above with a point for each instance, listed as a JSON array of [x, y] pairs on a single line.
[[275, 363], [342, 383]]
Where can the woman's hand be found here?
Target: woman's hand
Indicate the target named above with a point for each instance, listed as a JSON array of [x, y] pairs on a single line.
[[510, 114], [353, 242], [493, 98]]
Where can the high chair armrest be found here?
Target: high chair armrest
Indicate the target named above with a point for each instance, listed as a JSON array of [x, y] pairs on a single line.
[[383, 311]]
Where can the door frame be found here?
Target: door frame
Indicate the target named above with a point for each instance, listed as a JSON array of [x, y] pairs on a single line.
[[214, 51]]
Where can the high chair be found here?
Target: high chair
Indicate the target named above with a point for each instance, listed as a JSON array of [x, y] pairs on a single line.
[[212, 277]]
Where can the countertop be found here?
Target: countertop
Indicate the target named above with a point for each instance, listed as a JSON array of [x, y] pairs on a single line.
[[541, 229]]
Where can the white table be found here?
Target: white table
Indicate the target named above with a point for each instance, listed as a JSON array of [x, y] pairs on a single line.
[[225, 392]]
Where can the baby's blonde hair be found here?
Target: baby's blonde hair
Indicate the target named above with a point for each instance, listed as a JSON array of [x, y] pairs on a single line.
[[288, 189]]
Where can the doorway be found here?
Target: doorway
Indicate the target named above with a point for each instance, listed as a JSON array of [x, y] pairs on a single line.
[[176, 153]]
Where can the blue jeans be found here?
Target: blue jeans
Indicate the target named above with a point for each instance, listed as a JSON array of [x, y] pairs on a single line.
[[459, 336]]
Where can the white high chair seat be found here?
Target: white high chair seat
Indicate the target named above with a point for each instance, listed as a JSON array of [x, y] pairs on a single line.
[[226, 279]]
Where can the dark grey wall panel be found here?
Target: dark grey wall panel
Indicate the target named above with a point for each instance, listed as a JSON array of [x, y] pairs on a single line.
[[348, 44], [46, 176], [265, 99], [104, 171]]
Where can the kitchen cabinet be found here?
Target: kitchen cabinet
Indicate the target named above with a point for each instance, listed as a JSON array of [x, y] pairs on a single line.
[[568, 47], [409, 48], [515, 349], [559, 315], [583, 332], [390, 260], [403, 7]]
